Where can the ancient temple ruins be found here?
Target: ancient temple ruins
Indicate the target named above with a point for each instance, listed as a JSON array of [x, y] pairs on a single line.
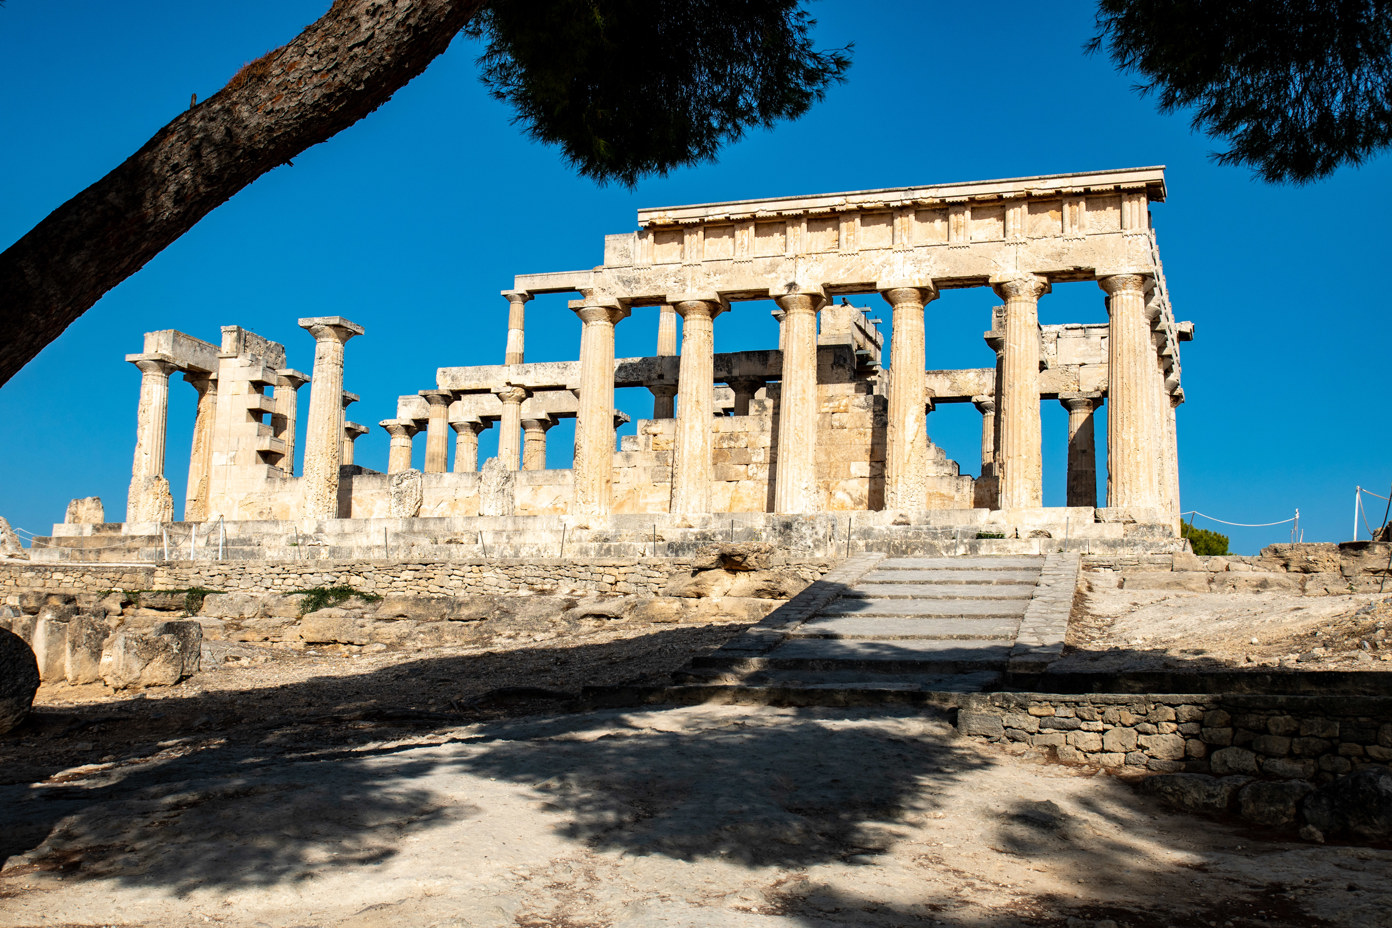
[[818, 424]]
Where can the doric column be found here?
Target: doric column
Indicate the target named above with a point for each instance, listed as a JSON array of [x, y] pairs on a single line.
[[437, 431], [517, 315], [906, 444], [466, 433], [1171, 457], [594, 420], [324, 428], [1131, 441], [150, 423], [510, 430], [795, 488], [352, 431], [283, 420], [399, 451], [779, 315], [744, 389], [201, 448], [664, 400], [666, 335], [691, 468], [986, 405], [1018, 457], [1082, 447], [534, 441]]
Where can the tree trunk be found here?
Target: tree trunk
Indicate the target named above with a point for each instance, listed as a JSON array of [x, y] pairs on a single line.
[[338, 70]]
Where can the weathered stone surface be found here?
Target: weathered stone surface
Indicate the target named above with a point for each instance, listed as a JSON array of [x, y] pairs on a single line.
[[10, 545], [138, 658], [981, 725], [1274, 803], [83, 648], [85, 511], [497, 489], [164, 600], [1357, 805], [422, 608], [336, 626], [51, 648], [733, 557], [1194, 792], [19, 680], [189, 635], [406, 494], [1163, 747], [1233, 760], [1303, 558]]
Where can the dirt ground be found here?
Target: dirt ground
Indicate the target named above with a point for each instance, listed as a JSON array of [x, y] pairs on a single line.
[[460, 787]]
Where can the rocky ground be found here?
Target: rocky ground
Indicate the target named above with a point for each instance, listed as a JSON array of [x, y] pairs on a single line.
[[460, 786], [1148, 629]]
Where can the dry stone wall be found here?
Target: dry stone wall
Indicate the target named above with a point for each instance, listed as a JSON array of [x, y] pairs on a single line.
[[1312, 569]]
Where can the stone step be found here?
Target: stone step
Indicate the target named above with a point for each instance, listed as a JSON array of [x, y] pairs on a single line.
[[961, 563], [907, 575], [926, 607], [889, 629], [923, 654], [886, 589]]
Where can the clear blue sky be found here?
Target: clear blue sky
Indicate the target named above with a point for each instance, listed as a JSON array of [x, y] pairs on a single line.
[[412, 221]]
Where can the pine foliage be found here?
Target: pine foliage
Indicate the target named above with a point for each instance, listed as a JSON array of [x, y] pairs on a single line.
[[628, 88], [1298, 87]]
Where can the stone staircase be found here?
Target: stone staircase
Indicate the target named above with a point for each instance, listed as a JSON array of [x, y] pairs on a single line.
[[894, 629]]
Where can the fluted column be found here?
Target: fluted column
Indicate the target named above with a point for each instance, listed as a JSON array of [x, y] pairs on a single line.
[[594, 420], [516, 334], [1019, 463], [437, 431], [779, 315], [1082, 447], [795, 488], [1171, 457], [399, 451], [324, 428], [664, 400], [152, 418], [906, 445], [287, 412], [534, 430], [1132, 480], [201, 448], [510, 429], [667, 333], [986, 405], [352, 431], [691, 468], [744, 389], [466, 442]]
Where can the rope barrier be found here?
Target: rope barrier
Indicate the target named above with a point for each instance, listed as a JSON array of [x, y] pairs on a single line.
[[1195, 512], [1371, 493]]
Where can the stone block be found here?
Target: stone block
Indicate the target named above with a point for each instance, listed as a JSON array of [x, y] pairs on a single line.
[[1304, 558], [83, 649], [1256, 582], [1086, 741], [189, 635], [1273, 804], [87, 510], [1187, 581], [335, 626], [1049, 739], [1289, 769], [1271, 745], [1120, 739], [980, 724], [1310, 747], [1322, 728], [51, 649], [1194, 792], [1233, 761], [19, 680], [138, 658], [1163, 747]]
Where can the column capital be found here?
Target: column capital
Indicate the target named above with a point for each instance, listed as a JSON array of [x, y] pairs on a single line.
[[1177, 397], [593, 313], [511, 394], [1123, 281], [746, 384], [354, 430], [200, 380], [620, 417], [437, 397], [349, 399], [662, 389], [153, 363], [289, 377], [896, 293], [984, 404], [799, 301], [334, 328], [516, 296], [710, 305], [399, 428], [469, 425], [537, 423], [1080, 402], [1020, 286]]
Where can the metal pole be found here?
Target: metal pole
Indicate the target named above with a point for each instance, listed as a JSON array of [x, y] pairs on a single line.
[[1357, 498]]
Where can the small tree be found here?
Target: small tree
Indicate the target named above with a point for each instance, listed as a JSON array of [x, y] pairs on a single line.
[[1204, 541]]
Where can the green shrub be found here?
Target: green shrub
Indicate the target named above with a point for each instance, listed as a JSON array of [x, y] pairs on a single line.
[[321, 597], [1203, 540]]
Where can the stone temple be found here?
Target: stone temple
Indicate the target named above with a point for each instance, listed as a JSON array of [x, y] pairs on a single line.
[[816, 443]]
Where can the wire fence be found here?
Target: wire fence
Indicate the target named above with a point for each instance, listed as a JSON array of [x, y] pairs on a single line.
[[176, 546]]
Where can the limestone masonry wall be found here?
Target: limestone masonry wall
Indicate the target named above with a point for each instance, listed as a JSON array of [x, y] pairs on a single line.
[[1281, 737], [633, 575], [1314, 569]]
